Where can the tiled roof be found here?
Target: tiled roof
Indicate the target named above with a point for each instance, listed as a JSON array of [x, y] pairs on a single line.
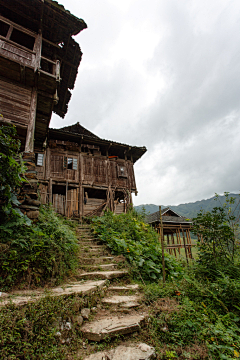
[[155, 217]]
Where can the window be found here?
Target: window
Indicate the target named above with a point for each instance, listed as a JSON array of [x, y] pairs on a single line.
[[4, 28], [39, 159], [22, 38], [122, 171], [70, 163]]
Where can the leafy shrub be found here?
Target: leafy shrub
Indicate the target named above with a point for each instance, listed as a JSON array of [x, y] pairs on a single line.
[[218, 252], [34, 255], [11, 168], [207, 312], [128, 235]]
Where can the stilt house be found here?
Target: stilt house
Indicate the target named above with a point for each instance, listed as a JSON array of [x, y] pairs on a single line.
[[176, 230], [82, 174]]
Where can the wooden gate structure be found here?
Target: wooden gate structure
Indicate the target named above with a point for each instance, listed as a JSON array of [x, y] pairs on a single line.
[[176, 231]]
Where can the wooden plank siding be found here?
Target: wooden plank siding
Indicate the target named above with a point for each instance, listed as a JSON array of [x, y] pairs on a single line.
[[15, 101], [95, 172]]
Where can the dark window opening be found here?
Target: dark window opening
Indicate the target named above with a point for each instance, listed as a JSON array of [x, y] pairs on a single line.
[[119, 195], [46, 66], [70, 163], [59, 189], [22, 39], [4, 28], [95, 194]]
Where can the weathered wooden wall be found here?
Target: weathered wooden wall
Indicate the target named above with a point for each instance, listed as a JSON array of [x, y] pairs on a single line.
[[111, 176], [15, 101]]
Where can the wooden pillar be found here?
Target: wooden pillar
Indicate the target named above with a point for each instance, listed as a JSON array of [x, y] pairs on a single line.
[[50, 191], [173, 243], [29, 145], [184, 242], [162, 243]]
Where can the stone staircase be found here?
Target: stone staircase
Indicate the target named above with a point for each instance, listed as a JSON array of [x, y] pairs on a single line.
[[120, 312]]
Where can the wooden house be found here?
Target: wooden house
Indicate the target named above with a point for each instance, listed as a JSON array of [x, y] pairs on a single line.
[[39, 61], [82, 174], [176, 230]]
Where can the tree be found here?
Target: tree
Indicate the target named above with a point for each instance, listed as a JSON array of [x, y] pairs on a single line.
[[218, 236]]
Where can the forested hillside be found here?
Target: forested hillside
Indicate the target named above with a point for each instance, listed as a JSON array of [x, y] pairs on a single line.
[[190, 209]]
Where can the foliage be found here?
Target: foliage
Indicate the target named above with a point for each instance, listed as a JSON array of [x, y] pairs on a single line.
[[205, 312], [128, 235], [45, 251], [11, 168], [217, 248]]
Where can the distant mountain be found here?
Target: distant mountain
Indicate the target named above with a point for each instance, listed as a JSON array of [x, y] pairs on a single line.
[[190, 209]]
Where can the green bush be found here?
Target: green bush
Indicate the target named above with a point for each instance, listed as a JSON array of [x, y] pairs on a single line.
[[11, 168], [128, 235], [205, 312], [218, 252], [34, 255]]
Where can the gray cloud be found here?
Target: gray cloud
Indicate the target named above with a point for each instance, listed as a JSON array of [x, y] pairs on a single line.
[[190, 122]]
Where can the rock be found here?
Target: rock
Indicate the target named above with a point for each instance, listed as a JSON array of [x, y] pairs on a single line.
[[125, 352], [120, 299], [124, 288], [33, 214], [33, 202], [104, 274], [109, 327], [78, 320], [82, 288], [144, 347], [85, 313], [3, 295]]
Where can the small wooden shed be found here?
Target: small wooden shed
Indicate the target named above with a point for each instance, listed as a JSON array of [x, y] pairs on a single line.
[[176, 230], [82, 174]]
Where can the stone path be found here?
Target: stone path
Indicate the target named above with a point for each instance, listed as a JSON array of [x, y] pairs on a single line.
[[118, 313], [111, 319]]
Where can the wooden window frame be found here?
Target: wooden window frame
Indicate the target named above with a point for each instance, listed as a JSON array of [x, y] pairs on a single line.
[[122, 171]]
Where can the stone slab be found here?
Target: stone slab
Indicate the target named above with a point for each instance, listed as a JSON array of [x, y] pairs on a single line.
[[125, 287], [109, 327], [118, 299], [82, 288], [134, 352], [104, 274]]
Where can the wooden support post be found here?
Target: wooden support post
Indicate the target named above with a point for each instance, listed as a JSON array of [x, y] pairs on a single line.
[[184, 242], [173, 242], [66, 197], [29, 145], [50, 191], [162, 244]]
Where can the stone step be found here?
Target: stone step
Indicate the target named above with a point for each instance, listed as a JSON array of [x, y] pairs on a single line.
[[20, 298], [124, 301], [103, 274], [113, 326], [124, 288], [99, 267], [131, 352], [98, 260]]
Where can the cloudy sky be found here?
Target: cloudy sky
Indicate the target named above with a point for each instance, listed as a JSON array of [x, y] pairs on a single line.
[[164, 74]]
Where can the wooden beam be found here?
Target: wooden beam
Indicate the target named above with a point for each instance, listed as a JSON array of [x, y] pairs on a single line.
[[29, 146]]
